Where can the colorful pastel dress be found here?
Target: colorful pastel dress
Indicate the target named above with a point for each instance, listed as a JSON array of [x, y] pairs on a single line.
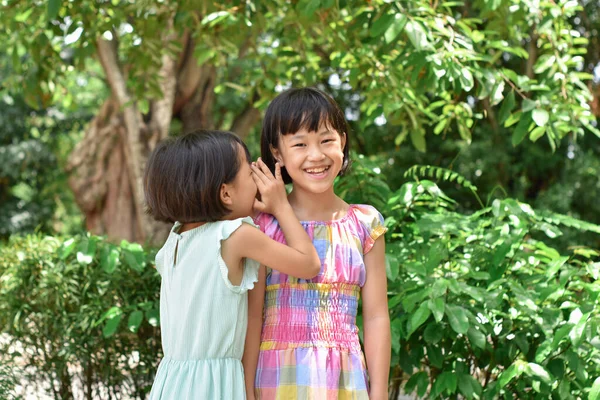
[[203, 316], [309, 346]]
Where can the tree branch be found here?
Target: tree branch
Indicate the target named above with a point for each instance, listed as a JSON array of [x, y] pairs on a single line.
[[162, 109], [134, 144]]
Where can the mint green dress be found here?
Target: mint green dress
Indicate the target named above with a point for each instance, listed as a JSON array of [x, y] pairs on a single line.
[[203, 316]]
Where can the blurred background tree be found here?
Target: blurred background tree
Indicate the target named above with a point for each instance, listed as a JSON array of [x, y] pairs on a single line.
[[434, 75], [491, 293]]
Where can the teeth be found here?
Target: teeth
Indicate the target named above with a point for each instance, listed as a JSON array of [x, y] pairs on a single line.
[[316, 170]]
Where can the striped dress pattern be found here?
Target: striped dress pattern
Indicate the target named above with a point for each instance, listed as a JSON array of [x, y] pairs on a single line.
[[310, 347]]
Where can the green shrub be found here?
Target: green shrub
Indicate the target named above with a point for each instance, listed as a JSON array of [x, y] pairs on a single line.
[[482, 306], [83, 310], [8, 382]]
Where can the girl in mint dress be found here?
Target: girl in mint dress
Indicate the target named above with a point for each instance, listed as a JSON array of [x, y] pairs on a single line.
[[204, 183]]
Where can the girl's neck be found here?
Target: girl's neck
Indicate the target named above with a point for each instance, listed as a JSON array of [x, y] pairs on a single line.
[[317, 206]]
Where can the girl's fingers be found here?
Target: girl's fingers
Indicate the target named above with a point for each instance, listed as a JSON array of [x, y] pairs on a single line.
[[256, 171], [278, 171], [260, 184]]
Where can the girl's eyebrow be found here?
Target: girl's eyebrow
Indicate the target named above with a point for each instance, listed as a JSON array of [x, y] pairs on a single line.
[[325, 132]]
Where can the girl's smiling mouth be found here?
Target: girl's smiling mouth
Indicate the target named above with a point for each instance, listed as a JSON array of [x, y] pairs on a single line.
[[317, 172]]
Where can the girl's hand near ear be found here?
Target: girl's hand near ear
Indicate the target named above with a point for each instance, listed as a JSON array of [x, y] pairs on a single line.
[[273, 197]]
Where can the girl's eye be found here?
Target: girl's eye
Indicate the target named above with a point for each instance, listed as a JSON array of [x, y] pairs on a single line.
[[299, 145], [327, 140]]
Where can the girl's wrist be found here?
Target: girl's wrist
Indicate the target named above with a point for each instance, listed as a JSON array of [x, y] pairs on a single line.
[[282, 210]]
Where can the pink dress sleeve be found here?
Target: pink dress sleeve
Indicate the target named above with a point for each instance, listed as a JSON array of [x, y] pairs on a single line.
[[370, 227]]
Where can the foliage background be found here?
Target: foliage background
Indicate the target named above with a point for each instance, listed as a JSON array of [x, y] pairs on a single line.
[[491, 248]]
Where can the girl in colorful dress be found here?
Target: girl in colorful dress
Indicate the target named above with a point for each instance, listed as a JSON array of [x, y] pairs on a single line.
[[309, 346], [204, 183]]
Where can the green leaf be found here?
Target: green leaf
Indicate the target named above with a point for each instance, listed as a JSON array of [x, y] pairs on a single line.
[[576, 333], [395, 28], [501, 251], [433, 333], [537, 133], [308, 8], [540, 117], [476, 337], [536, 370], [135, 320], [86, 251], [595, 391], [396, 328], [522, 128], [419, 317], [392, 267], [111, 326], [381, 25], [439, 287], [418, 140], [417, 380], [560, 334], [412, 299], [110, 259], [437, 306], [435, 356], [416, 34], [214, 18], [507, 106], [153, 317], [466, 79], [53, 9], [515, 370], [447, 382], [457, 317], [557, 368], [144, 106], [468, 386], [528, 105], [24, 16], [497, 93], [67, 248]]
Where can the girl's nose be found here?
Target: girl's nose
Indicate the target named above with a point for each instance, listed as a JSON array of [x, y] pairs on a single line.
[[315, 153]]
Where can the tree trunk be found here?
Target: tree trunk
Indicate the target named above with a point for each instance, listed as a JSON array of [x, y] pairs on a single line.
[[106, 167]]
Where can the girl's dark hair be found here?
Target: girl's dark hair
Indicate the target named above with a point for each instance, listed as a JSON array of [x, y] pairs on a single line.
[[184, 175], [296, 109]]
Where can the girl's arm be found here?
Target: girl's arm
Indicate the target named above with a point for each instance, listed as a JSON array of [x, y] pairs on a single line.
[[376, 321], [299, 258], [256, 298]]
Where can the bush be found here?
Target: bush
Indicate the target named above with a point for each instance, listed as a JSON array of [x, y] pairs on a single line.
[[8, 382], [482, 306], [84, 310]]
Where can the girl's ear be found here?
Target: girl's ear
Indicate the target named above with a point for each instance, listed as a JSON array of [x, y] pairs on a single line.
[[276, 155], [343, 139], [225, 194]]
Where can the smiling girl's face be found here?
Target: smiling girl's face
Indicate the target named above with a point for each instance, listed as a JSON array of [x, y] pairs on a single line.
[[312, 159]]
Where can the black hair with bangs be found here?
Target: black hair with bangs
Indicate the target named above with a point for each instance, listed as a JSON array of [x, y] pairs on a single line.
[[301, 108]]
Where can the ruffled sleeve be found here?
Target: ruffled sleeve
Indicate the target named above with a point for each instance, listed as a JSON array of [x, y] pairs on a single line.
[[250, 275], [158, 261], [370, 227]]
